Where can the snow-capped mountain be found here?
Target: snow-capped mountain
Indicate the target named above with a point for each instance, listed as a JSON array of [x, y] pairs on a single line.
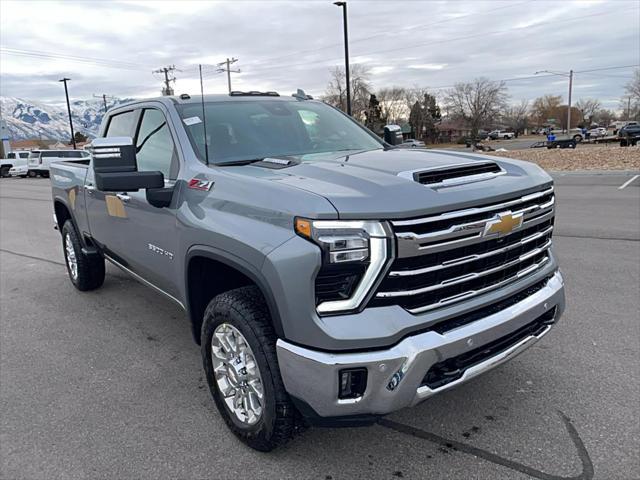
[[28, 119]]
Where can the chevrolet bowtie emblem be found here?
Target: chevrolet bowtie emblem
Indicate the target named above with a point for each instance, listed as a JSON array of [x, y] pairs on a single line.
[[503, 224]]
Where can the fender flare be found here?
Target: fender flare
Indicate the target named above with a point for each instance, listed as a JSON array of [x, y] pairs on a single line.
[[63, 202], [243, 267]]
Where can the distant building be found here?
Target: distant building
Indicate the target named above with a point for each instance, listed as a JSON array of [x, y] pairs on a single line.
[[31, 144], [450, 131]]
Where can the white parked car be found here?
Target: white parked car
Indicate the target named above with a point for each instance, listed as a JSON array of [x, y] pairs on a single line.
[[39, 160], [410, 142], [496, 134], [598, 132], [13, 160]]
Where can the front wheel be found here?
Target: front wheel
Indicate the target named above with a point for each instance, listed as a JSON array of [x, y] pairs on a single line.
[[241, 365], [86, 272], [32, 174]]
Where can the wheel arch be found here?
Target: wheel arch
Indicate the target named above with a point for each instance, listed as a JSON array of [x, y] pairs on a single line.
[[202, 261]]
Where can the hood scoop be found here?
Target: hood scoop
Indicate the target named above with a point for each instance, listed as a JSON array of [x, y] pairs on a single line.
[[454, 174]]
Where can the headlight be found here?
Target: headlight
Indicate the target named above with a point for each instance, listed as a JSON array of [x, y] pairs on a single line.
[[354, 254]]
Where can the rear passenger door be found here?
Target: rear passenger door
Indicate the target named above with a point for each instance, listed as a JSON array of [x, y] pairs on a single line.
[[149, 235], [107, 220]]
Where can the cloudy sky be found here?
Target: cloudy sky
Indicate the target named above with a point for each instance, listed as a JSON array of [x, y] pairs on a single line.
[[112, 47]]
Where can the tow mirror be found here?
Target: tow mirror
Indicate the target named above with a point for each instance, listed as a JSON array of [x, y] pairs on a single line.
[[115, 168], [393, 134]]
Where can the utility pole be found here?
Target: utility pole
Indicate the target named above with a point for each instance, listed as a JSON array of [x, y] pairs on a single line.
[[346, 53], [569, 75], [226, 67], [569, 109], [104, 100], [66, 93], [167, 90], [628, 108]]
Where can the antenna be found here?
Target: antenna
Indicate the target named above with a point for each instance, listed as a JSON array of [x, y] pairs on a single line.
[[204, 118]]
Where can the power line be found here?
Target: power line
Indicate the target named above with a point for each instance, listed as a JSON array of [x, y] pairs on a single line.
[[73, 58], [408, 29], [439, 42]]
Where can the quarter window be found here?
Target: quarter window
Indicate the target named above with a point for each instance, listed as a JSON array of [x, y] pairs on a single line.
[[155, 150]]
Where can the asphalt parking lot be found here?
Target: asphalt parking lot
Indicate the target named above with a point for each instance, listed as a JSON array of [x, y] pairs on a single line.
[[109, 384]]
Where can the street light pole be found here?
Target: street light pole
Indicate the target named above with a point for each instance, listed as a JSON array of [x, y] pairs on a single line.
[[569, 109], [346, 53], [66, 93], [570, 76]]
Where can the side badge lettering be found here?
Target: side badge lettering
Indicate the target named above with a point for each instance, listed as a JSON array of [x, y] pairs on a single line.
[[198, 184]]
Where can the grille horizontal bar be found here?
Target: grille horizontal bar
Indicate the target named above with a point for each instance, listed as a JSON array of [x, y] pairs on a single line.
[[455, 256], [474, 210]]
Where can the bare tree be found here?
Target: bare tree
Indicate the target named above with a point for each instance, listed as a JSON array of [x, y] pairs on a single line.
[[544, 108], [476, 102], [517, 116], [630, 102], [588, 107], [336, 92], [392, 103], [604, 117]]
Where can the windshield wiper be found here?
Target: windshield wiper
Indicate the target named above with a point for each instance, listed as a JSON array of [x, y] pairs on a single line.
[[234, 163]]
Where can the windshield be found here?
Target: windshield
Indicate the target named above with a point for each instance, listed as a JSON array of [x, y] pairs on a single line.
[[246, 130]]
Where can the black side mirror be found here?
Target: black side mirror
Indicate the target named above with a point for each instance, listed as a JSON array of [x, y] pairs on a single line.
[[115, 168], [393, 134]]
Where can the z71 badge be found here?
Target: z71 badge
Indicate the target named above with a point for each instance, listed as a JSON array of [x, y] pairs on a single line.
[[199, 184]]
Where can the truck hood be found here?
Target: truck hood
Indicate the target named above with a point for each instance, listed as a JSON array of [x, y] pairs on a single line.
[[367, 185]]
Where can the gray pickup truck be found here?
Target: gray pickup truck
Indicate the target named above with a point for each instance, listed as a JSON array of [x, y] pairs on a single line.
[[329, 277]]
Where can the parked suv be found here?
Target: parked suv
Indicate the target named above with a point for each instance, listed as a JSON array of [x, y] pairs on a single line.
[[329, 277], [41, 160], [629, 135]]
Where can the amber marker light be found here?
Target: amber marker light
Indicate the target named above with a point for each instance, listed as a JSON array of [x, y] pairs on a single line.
[[303, 227]]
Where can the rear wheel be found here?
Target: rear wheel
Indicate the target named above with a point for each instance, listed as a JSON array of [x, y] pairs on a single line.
[[86, 272], [241, 365], [4, 171]]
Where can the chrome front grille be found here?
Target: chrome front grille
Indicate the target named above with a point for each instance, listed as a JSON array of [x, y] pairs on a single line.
[[450, 257]]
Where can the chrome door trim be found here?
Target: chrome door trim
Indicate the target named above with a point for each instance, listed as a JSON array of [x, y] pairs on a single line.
[[144, 281]]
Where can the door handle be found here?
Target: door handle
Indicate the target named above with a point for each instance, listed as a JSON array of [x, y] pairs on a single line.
[[124, 197]]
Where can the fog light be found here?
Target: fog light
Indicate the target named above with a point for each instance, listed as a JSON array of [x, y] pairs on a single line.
[[352, 383]]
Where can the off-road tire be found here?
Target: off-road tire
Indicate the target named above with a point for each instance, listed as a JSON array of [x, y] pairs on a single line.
[[4, 171], [245, 309], [91, 269]]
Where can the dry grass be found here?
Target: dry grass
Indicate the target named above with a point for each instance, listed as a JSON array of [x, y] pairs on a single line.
[[587, 158]]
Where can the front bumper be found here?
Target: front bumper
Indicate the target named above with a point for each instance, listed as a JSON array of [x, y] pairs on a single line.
[[395, 375], [16, 171]]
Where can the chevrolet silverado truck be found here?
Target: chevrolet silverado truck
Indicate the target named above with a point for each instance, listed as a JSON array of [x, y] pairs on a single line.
[[329, 277]]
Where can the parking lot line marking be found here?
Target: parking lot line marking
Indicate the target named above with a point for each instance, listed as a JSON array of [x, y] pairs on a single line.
[[628, 182], [587, 464], [31, 257]]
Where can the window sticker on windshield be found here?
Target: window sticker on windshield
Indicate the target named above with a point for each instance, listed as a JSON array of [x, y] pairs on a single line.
[[192, 121]]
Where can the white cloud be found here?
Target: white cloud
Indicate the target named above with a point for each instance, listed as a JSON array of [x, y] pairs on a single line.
[[428, 66]]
